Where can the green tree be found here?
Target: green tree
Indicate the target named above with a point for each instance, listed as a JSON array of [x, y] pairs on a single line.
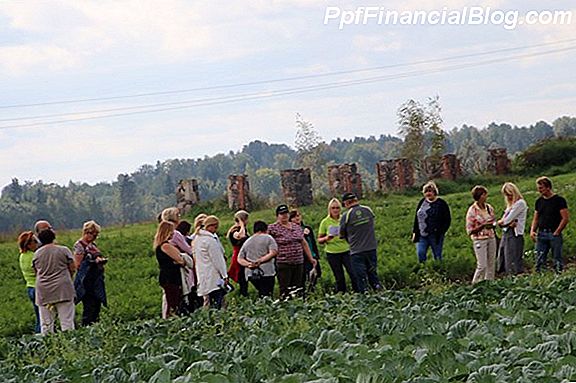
[[416, 123]]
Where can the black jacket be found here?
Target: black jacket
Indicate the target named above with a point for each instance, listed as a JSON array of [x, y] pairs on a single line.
[[438, 219]]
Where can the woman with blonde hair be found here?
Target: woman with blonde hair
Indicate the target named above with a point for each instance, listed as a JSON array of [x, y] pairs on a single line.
[[238, 234], [28, 244], [169, 262], [210, 263], [337, 249], [513, 223], [89, 281]]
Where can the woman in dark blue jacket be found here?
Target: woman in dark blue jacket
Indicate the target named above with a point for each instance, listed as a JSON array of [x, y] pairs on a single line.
[[431, 222]]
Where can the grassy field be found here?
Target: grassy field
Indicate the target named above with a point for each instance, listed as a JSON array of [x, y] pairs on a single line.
[[132, 272]]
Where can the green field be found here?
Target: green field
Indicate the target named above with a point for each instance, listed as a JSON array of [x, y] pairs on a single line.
[[519, 329]]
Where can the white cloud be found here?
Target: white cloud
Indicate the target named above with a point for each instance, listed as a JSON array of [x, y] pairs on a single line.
[[377, 42]]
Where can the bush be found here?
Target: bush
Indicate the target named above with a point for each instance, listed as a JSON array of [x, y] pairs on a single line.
[[547, 154]]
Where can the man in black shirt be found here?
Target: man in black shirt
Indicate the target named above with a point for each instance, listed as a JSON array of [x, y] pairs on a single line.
[[550, 218]]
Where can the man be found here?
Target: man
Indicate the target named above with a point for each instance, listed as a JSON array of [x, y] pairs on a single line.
[[357, 228], [550, 218], [40, 226]]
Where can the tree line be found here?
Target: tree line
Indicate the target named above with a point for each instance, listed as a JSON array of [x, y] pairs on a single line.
[[140, 195]]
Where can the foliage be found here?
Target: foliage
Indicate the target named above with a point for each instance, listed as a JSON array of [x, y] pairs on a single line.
[[132, 272], [513, 330], [547, 153], [69, 206], [424, 139]]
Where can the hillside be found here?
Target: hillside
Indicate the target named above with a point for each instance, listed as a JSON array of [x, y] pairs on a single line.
[[139, 195], [132, 272], [521, 327]]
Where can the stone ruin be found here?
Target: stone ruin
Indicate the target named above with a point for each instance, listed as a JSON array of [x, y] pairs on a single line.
[[238, 190], [187, 195], [395, 175], [344, 178], [297, 186], [498, 161], [448, 167], [451, 168]]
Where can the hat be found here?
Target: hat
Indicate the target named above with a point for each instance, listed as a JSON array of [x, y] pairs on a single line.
[[282, 209], [348, 196]]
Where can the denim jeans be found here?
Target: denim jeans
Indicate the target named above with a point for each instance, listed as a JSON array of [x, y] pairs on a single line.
[[32, 296], [544, 242], [365, 266], [433, 241]]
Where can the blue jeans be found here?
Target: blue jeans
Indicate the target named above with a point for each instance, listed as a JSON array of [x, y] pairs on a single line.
[[432, 241], [365, 266], [544, 242], [32, 296]]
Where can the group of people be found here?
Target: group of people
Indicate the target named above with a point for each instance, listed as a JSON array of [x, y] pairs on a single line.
[[192, 261], [58, 278], [193, 267], [432, 220]]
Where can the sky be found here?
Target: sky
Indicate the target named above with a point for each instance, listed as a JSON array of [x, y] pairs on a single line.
[[92, 89]]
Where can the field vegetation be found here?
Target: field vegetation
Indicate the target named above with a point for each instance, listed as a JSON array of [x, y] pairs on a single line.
[[520, 329]]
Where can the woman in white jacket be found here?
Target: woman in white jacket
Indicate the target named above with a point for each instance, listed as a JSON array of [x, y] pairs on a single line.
[[513, 223], [210, 263]]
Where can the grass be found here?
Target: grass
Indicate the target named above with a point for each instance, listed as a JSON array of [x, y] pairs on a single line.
[[131, 274]]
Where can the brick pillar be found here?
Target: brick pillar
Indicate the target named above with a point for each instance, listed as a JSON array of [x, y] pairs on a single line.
[[187, 195], [451, 168], [498, 161], [297, 186], [238, 192], [344, 178], [395, 175]]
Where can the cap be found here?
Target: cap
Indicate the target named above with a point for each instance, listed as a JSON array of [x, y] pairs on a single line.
[[348, 196], [282, 209]]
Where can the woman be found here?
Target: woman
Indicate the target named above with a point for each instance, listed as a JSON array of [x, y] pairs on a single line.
[[184, 228], [238, 234], [210, 263], [169, 261], [89, 282], [256, 256], [337, 249], [172, 214], [54, 267], [296, 217], [513, 223], [431, 222], [480, 226], [28, 244], [292, 247]]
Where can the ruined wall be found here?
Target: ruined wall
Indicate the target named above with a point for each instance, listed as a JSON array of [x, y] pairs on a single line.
[[238, 190], [297, 187], [395, 175], [498, 161], [187, 195], [451, 169], [344, 178]]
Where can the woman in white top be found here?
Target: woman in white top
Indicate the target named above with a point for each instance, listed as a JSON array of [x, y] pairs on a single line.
[[513, 223], [210, 263]]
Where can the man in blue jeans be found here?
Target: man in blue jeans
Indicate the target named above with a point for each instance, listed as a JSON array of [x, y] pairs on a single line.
[[357, 227], [550, 218]]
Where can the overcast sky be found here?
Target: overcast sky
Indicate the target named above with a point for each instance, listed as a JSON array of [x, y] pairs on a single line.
[[224, 53]]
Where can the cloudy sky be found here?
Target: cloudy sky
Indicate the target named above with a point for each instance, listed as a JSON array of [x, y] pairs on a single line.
[[91, 89]]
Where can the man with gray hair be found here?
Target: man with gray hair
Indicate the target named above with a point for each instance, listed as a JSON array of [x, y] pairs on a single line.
[[40, 226]]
